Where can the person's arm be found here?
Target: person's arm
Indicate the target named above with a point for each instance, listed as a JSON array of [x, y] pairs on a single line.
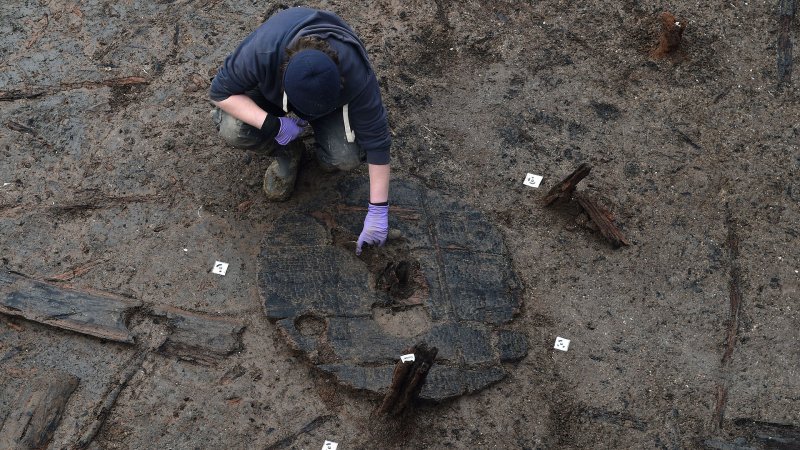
[[379, 183], [243, 108], [376, 224], [282, 129]]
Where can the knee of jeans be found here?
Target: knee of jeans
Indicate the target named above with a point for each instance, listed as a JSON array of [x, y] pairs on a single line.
[[231, 133], [346, 163], [338, 156]]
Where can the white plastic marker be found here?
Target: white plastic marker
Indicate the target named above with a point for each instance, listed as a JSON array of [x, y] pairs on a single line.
[[532, 180], [407, 358], [561, 344], [329, 445], [220, 267]]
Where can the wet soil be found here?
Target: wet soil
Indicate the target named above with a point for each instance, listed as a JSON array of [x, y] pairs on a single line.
[[113, 179]]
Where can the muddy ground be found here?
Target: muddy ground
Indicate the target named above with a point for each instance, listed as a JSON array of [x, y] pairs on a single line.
[[114, 179]]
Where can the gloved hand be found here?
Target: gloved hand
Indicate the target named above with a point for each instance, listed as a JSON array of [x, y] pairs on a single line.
[[376, 227], [290, 129]]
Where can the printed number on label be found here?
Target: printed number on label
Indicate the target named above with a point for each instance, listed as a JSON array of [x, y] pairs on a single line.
[[561, 344], [329, 445], [407, 358], [220, 267], [532, 180]]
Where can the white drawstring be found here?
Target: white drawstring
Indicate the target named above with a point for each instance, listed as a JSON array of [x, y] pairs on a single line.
[[285, 103], [348, 132]]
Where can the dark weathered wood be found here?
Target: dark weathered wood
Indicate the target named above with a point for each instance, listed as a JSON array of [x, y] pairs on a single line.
[[786, 13], [564, 190], [103, 409], [669, 42], [198, 337], [601, 218], [399, 377], [408, 379], [37, 412], [307, 428], [734, 290], [38, 91], [770, 434], [96, 314]]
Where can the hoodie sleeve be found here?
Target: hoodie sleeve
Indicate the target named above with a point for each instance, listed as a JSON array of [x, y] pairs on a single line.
[[370, 124], [239, 72]]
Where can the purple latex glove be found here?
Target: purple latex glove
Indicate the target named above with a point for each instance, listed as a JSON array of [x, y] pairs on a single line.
[[290, 129], [376, 227]]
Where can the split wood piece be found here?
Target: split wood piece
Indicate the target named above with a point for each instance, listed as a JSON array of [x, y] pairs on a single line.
[[19, 94], [34, 419], [770, 434], [669, 43], [601, 217], [96, 314], [103, 409], [564, 190], [786, 13], [307, 428], [408, 379], [199, 338]]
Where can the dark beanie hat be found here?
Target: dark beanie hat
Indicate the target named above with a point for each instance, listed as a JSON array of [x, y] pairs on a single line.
[[312, 83]]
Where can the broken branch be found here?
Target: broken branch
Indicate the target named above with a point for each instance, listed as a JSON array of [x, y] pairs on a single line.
[[601, 217], [564, 190]]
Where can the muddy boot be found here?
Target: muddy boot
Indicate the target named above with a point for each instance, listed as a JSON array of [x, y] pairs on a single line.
[[281, 175]]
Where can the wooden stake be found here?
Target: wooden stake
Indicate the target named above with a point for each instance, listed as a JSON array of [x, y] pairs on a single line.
[[669, 43], [564, 190], [408, 379], [601, 217]]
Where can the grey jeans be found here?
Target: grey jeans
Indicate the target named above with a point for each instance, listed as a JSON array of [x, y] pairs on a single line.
[[333, 149]]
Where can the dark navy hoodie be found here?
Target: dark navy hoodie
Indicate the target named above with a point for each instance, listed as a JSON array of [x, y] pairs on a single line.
[[255, 65]]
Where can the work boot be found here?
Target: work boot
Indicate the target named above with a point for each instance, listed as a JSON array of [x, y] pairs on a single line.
[[281, 175]]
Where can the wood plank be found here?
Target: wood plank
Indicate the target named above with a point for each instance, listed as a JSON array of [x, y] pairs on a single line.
[[34, 419], [199, 337], [88, 312]]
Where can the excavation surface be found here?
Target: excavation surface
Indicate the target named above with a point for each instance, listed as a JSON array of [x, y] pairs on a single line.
[[116, 189]]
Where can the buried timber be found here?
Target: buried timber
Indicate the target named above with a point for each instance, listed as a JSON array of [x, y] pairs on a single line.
[[444, 279]]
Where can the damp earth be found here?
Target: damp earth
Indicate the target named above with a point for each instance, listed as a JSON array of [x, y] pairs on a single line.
[[116, 190]]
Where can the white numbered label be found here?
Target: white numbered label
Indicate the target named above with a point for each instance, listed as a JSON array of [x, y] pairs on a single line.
[[407, 358], [220, 268], [532, 180], [329, 445], [561, 344]]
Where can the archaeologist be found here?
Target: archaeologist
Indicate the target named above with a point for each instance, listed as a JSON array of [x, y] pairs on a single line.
[[310, 64]]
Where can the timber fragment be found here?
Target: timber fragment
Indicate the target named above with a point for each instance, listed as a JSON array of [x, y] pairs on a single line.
[[34, 419], [96, 314], [602, 218], [408, 379], [199, 337], [669, 42], [565, 189], [786, 13]]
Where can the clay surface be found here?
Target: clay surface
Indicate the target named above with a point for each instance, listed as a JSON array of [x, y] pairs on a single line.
[[113, 179]]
